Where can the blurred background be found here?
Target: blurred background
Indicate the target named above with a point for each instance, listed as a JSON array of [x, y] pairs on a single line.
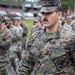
[[29, 9]]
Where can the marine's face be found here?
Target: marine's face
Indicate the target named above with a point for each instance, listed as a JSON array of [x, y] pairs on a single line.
[[16, 23], [50, 19], [37, 23]]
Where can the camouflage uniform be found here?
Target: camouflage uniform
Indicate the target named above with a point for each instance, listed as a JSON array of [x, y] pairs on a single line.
[[68, 27], [25, 32], [49, 53], [17, 32], [5, 41], [73, 25], [16, 45], [35, 29], [13, 29], [37, 25], [20, 35]]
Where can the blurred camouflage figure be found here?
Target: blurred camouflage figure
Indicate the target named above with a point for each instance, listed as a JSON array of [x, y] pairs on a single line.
[[14, 30], [25, 32], [73, 24], [5, 41], [7, 21], [37, 25], [50, 51], [64, 24], [18, 43], [19, 33]]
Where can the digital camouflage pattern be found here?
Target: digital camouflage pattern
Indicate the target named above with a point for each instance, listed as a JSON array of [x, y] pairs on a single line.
[[73, 25], [15, 46], [50, 2], [49, 5], [17, 32], [24, 38], [35, 29], [20, 35], [49, 54], [25, 30], [20, 32], [13, 29], [5, 41]]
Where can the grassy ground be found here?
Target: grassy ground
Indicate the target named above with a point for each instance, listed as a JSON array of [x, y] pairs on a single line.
[[29, 23]]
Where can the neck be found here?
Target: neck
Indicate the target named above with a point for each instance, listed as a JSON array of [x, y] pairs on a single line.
[[52, 29]]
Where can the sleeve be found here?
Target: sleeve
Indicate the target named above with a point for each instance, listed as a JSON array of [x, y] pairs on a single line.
[[28, 60], [72, 52], [6, 41], [25, 32], [17, 34], [27, 63]]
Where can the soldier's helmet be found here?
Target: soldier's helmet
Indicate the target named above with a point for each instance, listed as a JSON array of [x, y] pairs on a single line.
[[49, 5]]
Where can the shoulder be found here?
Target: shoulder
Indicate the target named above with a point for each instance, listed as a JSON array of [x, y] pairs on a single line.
[[67, 33], [7, 32], [37, 34]]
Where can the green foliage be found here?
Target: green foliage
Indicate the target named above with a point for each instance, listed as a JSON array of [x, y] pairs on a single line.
[[12, 2], [67, 4]]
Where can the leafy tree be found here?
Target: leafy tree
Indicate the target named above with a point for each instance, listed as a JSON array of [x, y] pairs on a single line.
[[67, 4]]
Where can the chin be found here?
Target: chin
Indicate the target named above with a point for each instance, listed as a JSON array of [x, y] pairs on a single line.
[[46, 25]]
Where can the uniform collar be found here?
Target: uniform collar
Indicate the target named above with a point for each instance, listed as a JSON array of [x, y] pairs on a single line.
[[50, 36]]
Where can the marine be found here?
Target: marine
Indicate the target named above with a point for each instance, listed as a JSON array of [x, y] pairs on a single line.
[[25, 32], [50, 51], [5, 42]]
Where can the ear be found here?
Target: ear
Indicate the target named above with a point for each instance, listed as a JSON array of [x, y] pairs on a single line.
[[59, 15]]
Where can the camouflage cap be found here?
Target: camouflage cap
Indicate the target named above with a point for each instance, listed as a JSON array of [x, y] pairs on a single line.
[[49, 5]]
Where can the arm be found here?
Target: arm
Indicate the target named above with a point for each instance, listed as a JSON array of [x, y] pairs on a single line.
[[25, 32], [26, 64], [17, 34], [72, 52], [6, 41]]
